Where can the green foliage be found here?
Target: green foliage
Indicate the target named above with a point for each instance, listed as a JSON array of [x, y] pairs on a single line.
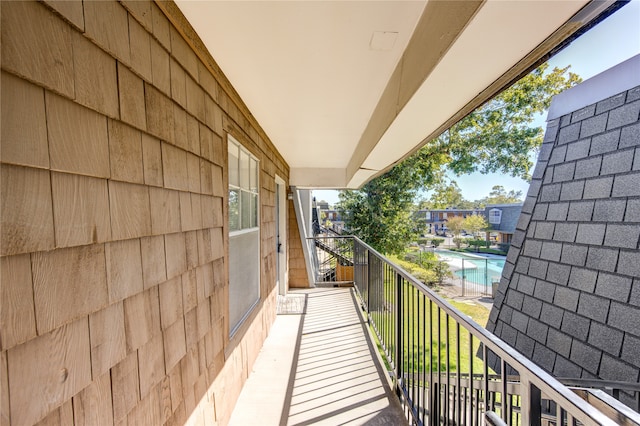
[[455, 225], [424, 266], [478, 244], [437, 241], [446, 194], [442, 271], [425, 275], [499, 195], [458, 241], [419, 257], [497, 137], [475, 224], [379, 213]]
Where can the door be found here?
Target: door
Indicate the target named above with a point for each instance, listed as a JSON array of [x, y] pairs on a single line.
[[281, 236]]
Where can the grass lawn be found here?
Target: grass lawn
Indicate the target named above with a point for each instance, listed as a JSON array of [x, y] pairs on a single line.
[[421, 342]]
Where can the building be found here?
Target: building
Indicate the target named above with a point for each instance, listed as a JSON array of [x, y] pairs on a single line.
[[569, 298], [322, 205], [436, 219], [502, 219], [150, 205]]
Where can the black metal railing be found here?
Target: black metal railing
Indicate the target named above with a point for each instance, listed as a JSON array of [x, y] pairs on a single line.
[[474, 276], [335, 259], [448, 370]]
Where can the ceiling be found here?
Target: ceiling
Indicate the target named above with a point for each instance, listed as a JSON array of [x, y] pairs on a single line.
[[345, 89]]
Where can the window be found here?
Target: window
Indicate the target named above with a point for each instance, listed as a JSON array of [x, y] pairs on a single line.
[[243, 188], [495, 216], [244, 234]]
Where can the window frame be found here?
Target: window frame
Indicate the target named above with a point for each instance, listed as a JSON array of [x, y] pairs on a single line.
[[495, 216], [254, 193], [241, 308]]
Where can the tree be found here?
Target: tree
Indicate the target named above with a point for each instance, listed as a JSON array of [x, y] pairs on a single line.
[[379, 213], [442, 271], [499, 195], [455, 225], [447, 194], [437, 241], [497, 137], [475, 224]]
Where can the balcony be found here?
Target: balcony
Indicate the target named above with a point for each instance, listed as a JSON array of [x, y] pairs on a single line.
[[432, 365], [318, 365]]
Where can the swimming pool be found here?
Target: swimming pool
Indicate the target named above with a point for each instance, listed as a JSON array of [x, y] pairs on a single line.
[[473, 268]]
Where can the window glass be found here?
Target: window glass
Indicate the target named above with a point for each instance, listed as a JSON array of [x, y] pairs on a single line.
[[253, 175], [244, 234], [234, 209], [244, 170], [254, 211], [243, 188], [246, 211], [233, 164]]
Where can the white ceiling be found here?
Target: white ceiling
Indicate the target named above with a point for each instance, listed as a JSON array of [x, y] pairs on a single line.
[[314, 72]]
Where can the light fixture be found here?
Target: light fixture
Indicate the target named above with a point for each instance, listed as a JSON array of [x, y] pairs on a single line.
[[383, 40]]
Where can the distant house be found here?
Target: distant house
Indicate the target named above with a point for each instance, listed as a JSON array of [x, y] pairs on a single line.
[[322, 205], [436, 219], [328, 217], [502, 219]]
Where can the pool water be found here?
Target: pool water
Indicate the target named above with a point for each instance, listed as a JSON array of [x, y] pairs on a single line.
[[477, 269]]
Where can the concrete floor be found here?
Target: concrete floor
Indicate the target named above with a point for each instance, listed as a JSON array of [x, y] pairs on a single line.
[[318, 368]]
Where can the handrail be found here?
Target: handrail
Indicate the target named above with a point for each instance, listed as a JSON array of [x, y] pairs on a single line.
[[332, 253], [534, 382], [624, 415]]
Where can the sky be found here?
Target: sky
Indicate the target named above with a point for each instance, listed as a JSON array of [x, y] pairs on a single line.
[[609, 43]]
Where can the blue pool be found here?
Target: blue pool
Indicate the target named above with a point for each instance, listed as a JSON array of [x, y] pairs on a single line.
[[474, 269]]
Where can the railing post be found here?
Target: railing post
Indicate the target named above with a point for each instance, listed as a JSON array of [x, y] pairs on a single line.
[[368, 283], [463, 277], [530, 402], [486, 274], [398, 342]]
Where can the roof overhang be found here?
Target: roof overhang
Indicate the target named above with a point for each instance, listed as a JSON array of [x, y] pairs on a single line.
[[346, 89]]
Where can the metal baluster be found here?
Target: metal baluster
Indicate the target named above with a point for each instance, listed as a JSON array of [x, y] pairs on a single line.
[[486, 275], [439, 375], [503, 377], [530, 403], [425, 364], [389, 317], [485, 378], [458, 378], [369, 282], [470, 379], [398, 340], [410, 353], [447, 400], [463, 276], [432, 411]]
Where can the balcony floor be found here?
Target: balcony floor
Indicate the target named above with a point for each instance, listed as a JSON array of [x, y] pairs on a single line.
[[318, 367]]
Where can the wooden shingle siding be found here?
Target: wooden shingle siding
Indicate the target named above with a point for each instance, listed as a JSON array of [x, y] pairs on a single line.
[[114, 240]]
